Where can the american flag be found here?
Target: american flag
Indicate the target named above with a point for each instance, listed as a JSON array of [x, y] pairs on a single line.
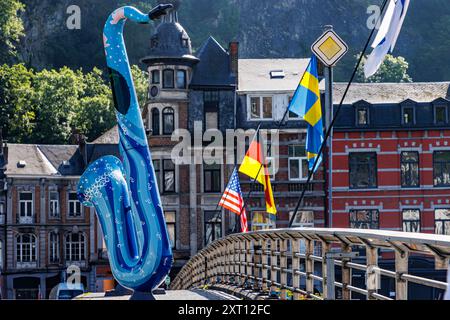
[[232, 200]]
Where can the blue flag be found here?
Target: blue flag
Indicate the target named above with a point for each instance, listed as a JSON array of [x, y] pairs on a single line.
[[306, 104]]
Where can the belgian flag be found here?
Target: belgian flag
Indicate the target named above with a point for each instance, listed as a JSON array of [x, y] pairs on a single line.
[[254, 165]]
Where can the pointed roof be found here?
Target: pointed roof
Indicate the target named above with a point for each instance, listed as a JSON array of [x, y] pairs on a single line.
[[214, 68]]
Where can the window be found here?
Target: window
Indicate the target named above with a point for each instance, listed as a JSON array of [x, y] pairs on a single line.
[[298, 163], [292, 115], [212, 178], [211, 96], [26, 204], [213, 226], [1, 256], [363, 170], [440, 114], [155, 122], [441, 168], [157, 167], [303, 219], [171, 226], [411, 220], [168, 79], [2, 213], [408, 116], [54, 204], [75, 247], [169, 176], [262, 220], [364, 219], [442, 221], [181, 79], [54, 247], [261, 108], [362, 117], [168, 121], [410, 169], [211, 120], [185, 42], [156, 77], [74, 205], [26, 248]]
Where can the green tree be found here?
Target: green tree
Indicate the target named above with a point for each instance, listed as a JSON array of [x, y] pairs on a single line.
[[16, 115], [94, 114], [393, 69], [56, 97], [11, 28], [140, 79]]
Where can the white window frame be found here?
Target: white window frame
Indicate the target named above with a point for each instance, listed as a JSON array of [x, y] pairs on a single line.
[[19, 244], [53, 248], [82, 244], [261, 107], [299, 160], [28, 216], [53, 204], [75, 204]]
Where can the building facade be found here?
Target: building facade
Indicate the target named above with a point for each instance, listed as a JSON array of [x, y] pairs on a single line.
[[391, 158], [47, 235]]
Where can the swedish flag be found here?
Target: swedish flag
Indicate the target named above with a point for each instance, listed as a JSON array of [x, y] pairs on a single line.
[[306, 104]]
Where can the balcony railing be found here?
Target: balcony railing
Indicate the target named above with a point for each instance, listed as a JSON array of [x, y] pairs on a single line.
[[26, 220], [285, 260]]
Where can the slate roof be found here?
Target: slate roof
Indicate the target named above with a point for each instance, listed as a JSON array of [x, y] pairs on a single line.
[[96, 151], [378, 93], [41, 160], [109, 137], [214, 66], [254, 74]]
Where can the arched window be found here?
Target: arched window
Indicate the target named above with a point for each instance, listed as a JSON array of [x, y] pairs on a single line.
[[75, 247], [168, 121], [54, 247], [26, 248], [155, 122]]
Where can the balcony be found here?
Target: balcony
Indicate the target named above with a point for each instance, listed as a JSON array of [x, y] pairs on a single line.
[[26, 265], [81, 264], [26, 220]]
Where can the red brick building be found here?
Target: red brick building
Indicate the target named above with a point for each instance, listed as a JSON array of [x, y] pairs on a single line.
[[391, 158]]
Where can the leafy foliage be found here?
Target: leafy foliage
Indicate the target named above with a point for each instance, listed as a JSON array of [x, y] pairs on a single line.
[[11, 28], [45, 106], [393, 69]]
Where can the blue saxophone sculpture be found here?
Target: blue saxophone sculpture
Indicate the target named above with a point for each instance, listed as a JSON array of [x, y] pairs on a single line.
[[125, 192]]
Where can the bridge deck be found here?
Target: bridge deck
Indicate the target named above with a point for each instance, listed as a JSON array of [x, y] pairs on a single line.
[[169, 295]]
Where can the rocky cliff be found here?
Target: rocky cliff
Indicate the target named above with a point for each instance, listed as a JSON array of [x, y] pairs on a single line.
[[265, 28]]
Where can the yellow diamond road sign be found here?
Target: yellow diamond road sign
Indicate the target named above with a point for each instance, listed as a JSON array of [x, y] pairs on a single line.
[[329, 48]]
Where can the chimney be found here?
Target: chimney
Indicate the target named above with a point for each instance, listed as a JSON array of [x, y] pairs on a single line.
[[234, 58], [79, 139]]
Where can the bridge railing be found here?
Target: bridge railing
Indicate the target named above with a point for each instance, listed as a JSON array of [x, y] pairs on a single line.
[[302, 261]]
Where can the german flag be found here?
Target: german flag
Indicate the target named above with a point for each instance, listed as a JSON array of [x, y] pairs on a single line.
[[255, 166]]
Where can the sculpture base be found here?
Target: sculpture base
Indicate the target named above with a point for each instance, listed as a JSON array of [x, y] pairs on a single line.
[[142, 296]]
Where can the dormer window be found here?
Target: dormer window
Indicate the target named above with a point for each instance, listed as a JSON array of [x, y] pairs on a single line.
[[154, 42], [362, 117], [185, 42], [408, 115], [440, 114]]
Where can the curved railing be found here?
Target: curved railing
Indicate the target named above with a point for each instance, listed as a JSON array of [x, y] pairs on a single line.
[[286, 261]]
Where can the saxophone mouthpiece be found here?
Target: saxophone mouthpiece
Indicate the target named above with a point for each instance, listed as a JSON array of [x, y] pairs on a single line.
[[159, 11]]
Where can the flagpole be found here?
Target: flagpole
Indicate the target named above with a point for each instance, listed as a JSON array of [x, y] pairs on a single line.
[[330, 128], [235, 167], [280, 124]]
